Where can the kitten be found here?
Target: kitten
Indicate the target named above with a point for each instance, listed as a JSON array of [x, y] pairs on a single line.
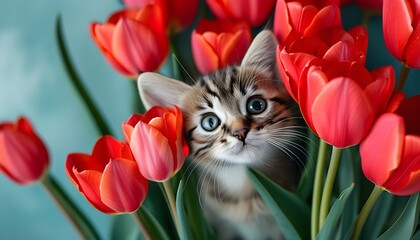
[[238, 117]]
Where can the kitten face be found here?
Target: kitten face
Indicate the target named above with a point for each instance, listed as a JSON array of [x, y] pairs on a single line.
[[240, 114], [236, 115]]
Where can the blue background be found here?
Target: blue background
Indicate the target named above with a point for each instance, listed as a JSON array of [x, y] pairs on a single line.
[[33, 83]]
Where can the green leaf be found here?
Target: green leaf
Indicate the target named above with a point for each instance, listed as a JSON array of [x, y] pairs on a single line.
[[153, 226], [330, 227], [76, 80], [124, 227], [290, 212], [199, 226], [378, 216], [185, 231], [406, 224], [306, 182], [416, 236]]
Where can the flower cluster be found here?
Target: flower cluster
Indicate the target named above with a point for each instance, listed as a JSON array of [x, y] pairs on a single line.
[[322, 65]]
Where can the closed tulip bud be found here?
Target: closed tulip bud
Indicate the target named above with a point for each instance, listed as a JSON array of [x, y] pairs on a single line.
[[216, 44], [390, 153], [340, 102], [109, 178], [23, 155], [400, 22], [133, 41], [157, 142]]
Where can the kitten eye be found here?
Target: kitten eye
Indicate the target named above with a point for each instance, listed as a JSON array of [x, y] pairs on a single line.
[[256, 105], [210, 122]]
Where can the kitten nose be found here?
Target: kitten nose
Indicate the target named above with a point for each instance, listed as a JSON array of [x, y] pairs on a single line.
[[240, 133]]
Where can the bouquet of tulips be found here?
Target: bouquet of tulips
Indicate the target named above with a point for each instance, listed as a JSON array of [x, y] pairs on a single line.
[[362, 179]]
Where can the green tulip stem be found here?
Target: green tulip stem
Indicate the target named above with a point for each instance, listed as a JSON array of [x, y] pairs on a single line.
[[405, 70], [364, 213], [139, 220], [77, 218], [170, 197], [77, 83], [316, 199], [329, 184]]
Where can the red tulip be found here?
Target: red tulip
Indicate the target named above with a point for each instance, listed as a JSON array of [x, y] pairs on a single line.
[[341, 101], [255, 12], [216, 44], [295, 19], [390, 154], [178, 14], [109, 178], [402, 30], [337, 46], [133, 41], [23, 155], [157, 142]]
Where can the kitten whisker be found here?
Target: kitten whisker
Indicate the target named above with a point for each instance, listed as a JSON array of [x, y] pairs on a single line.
[[183, 68]]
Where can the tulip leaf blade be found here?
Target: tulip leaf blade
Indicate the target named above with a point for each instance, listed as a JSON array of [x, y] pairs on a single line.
[[75, 79], [330, 226], [199, 227], [405, 225], [154, 228], [290, 212], [184, 229]]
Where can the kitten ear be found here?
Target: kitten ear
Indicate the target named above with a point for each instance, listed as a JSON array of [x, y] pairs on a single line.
[[262, 52], [158, 90]]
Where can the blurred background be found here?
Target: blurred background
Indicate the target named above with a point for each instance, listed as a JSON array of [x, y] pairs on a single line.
[[33, 82]]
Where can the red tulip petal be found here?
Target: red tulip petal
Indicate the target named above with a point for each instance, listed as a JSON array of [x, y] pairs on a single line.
[[282, 25], [301, 16], [78, 161], [411, 54], [123, 188], [23, 158], [152, 152], [342, 113], [106, 148], [380, 91], [381, 150], [327, 17], [233, 49], [309, 88], [89, 182], [205, 57], [405, 180], [291, 67], [218, 8], [397, 18], [341, 52]]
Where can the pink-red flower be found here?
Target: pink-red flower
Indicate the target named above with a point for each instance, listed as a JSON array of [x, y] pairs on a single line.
[[157, 142], [255, 12], [294, 19], [401, 27], [337, 46], [178, 14], [23, 155], [216, 44], [109, 178], [390, 154], [133, 41], [340, 101]]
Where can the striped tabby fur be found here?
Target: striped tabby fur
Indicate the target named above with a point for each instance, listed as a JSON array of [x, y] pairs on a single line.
[[235, 118]]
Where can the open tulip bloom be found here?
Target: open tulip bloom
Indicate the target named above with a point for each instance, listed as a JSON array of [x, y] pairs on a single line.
[[363, 123]]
